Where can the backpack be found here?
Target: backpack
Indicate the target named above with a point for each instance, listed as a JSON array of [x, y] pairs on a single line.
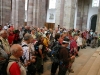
[[22, 59], [52, 44], [36, 46], [4, 67], [55, 53], [6, 64]]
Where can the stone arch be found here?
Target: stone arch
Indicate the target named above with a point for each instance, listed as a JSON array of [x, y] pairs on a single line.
[[93, 22]]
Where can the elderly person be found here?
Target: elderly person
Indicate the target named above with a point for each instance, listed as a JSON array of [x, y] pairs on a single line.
[[4, 41], [27, 58], [14, 66]]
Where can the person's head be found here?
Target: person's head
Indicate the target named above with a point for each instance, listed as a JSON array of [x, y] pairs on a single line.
[[47, 34], [32, 40], [16, 50], [20, 28], [4, 34], [9, 31], [63, 35], [75, 36], [26, 27], [58, 38], [28, 37], [41, 38], [33, 31], [65, 42]]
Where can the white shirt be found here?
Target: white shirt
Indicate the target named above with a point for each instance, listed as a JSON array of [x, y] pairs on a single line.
[[79, 41], [5, 27], [25, 52]]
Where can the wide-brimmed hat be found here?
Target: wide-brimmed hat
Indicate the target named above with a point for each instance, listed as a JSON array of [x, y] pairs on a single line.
[[66, 40]]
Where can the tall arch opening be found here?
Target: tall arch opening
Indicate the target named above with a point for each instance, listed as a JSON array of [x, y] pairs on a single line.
[[93, 22]]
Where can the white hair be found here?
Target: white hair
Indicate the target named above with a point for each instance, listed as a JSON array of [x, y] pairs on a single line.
[[2, 32]]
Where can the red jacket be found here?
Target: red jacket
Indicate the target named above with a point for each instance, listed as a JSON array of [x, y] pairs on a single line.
[[15, 69]]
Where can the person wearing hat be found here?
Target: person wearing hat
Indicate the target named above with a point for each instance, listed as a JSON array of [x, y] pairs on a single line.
[[64, 57], [46, 43]]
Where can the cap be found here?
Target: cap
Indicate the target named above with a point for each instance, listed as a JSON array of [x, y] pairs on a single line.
[[66, 40]]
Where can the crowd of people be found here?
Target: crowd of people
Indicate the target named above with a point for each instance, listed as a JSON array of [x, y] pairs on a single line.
[[26, 49]]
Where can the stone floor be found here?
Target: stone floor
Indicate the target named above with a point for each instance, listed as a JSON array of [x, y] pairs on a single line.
[[81, 63]]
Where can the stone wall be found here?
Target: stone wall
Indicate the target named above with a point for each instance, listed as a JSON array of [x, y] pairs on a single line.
[[98, 21], [65, 13], [82, 14], [18, 13], [37, 13], [57, 17], [43, 13], [5, 7], [21, 13]]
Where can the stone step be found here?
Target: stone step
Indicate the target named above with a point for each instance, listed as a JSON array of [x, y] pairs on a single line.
[[99, 67], [95, 67], [87, 66], [98, 71]]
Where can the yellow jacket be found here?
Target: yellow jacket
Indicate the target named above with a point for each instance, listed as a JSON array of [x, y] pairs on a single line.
[[46, 41]]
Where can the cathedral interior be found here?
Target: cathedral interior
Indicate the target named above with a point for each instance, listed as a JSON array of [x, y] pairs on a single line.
[[70, 14], [77, 14]]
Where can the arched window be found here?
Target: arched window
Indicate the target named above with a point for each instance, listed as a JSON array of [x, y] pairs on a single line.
[[95, 3], [52, 4], [26, 7]]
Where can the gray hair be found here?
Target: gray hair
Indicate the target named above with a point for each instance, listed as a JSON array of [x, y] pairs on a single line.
[[2, 32], [27, 36]]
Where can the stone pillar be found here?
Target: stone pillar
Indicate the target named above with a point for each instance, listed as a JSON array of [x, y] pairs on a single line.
[[21, 12], [82, 15], [37, 12], [34, 12], [0, 11], [62, 12], [85, 14], [16, 14], [13, 12], [14, 18], [98, 21], [57, 17], [66, 16], [5, 11], [42, 13], [30, 12]]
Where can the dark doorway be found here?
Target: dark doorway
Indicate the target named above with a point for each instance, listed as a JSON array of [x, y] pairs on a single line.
[[93, 22]]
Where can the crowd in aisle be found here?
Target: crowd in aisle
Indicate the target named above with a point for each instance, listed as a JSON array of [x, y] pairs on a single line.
[[24, 51]]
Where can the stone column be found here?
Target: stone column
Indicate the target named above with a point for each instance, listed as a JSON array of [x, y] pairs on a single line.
[[30, 12], [98, 21], [16, 14], [62, 12], [0, 11], [82, 15], [5, 11], [57, 17], [69, 14], [13, 12], [66, 16], [85, 14], [37, 12], [34, 12], [21, 12], [42, 13]]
